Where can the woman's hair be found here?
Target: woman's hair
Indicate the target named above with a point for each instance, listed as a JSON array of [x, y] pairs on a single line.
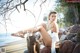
[[53, 12]]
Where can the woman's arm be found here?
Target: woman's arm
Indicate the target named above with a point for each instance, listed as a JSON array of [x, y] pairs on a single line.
[[54, 27]]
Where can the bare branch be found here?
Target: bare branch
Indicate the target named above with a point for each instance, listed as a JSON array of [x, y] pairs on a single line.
[[5, 9], [20, 3], [24, 7], [30, 12], [43, 2], [10, 5], [35, 2], [5, 22], [17, 9], [25, 1], [1, 24]]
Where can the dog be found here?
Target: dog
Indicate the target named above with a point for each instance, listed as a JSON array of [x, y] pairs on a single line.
[[32, 44]]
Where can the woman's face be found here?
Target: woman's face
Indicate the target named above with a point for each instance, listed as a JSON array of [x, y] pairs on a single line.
[[52, 17]]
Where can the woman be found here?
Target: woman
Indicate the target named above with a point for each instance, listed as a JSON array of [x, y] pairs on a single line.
[[50, 37]]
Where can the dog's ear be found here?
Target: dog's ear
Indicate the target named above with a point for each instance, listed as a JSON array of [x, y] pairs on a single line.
[[32, 44], [37, 47]]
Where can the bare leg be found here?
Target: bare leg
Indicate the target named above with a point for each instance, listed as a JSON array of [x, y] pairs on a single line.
[[46, 38], [42, 29]]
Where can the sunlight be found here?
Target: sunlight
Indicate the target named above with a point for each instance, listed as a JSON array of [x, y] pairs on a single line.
[[23, 20]]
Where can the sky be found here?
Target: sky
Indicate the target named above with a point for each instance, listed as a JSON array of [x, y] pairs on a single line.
[[24, 20]]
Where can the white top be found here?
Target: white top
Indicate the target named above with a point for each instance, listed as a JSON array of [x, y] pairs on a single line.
[[54, 36], [55, 39]]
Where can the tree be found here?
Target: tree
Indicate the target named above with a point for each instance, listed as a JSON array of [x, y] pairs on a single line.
[[60, 11], [71, 12], [9, 6]]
